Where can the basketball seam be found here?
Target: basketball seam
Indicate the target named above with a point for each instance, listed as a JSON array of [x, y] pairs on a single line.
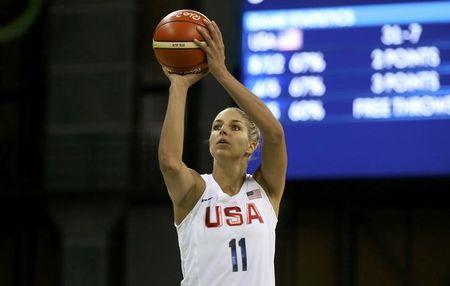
[[184, 21], [171, 49], [175, 67], [176, 41]]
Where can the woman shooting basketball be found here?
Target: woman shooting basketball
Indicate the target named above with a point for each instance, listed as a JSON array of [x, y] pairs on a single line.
[[225, 220]]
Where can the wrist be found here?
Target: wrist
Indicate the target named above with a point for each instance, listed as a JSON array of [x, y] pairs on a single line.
[[179, 87], [222, 74]]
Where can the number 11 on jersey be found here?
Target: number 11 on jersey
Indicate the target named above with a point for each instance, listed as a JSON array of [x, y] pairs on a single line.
[[234, 261]]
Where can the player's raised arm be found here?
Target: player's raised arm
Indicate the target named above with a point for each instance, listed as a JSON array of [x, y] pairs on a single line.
[[182, 183], [274, 158]]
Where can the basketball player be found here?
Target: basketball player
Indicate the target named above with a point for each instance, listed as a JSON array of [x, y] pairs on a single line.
[[225, 220]]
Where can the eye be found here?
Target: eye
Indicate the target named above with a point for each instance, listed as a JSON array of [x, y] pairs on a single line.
[[216, 127], [235, 127]]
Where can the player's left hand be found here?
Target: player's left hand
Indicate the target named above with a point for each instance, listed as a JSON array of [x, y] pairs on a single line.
[[214, 47]]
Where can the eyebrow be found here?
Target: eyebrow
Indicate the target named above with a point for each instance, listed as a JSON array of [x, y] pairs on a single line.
[[233, 120]]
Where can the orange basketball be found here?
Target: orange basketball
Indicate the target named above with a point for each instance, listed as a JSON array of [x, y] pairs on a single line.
[[173, 42]]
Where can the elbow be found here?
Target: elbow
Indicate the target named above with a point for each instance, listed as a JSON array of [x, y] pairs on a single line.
[[167, 163], [275, 135], [168, 166]]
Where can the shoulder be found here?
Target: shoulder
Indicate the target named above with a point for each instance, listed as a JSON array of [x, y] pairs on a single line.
[[274, 200], [192, 197], [273, 190], [200, 182], [255, 181]]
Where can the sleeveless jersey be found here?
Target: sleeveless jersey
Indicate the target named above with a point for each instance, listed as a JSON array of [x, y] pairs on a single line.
[[229, 240]]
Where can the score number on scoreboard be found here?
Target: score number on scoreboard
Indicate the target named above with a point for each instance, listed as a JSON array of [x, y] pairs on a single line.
[[295, 60]]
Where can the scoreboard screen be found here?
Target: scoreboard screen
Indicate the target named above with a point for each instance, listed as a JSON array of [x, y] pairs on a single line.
[[362, 88]]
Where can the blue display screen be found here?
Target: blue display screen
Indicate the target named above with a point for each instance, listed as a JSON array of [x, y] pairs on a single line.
[[361, 90]]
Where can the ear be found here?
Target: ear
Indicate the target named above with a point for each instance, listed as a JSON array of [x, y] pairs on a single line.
[[251, 148]]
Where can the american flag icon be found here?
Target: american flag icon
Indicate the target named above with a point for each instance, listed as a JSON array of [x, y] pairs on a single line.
[[254, 194]]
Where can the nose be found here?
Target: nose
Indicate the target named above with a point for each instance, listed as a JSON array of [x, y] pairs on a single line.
[[223, 130]]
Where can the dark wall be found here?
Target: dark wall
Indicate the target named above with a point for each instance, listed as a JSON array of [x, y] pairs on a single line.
[[82, 202]]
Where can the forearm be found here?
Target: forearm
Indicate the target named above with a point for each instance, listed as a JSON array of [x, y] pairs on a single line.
[[251, 104], [170, 150]]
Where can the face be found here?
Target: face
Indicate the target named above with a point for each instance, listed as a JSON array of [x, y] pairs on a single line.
[[229, 136]]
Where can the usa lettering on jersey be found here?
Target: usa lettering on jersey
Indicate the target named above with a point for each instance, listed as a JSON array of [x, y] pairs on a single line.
[[234, 216]]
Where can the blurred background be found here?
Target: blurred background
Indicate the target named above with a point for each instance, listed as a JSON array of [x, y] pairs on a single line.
[[82, 100]]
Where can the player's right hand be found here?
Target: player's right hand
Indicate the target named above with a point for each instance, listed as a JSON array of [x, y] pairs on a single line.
[[186, 80]]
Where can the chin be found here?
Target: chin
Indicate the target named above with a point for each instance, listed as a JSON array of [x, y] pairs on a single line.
[[224, 154], [221, 154]]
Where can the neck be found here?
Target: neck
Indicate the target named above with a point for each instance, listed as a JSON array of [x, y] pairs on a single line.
[[229, 175]]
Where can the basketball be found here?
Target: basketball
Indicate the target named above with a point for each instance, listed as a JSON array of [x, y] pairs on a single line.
[[173, 42]]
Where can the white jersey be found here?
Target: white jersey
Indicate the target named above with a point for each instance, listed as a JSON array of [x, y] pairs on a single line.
[[229, 240]]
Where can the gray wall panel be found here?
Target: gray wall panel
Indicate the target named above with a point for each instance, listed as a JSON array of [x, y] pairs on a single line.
[[152, 248]]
